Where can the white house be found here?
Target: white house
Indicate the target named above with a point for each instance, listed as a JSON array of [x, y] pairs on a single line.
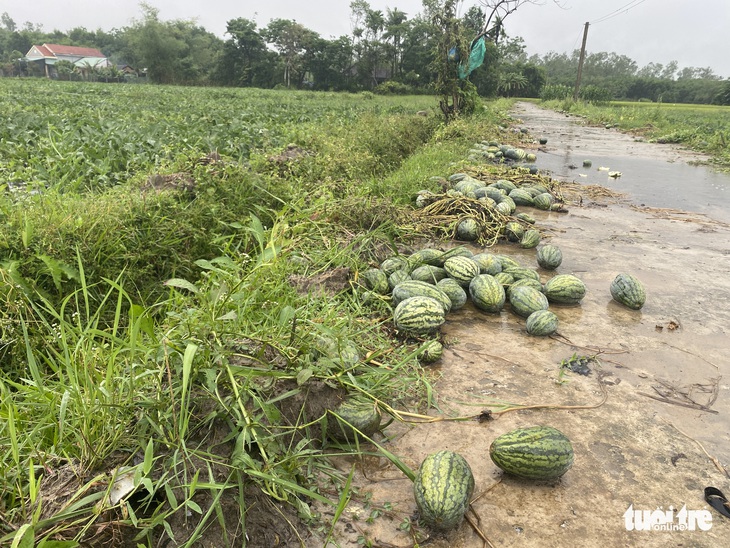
[[50, 54]]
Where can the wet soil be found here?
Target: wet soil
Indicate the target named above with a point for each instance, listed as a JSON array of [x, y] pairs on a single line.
[[662, 434]]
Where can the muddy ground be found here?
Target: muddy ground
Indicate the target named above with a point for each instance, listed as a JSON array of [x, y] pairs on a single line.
[[662, 435]]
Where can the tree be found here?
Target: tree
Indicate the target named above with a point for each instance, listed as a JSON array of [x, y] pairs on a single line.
[[245, 61], [296, 46], [173, 52]]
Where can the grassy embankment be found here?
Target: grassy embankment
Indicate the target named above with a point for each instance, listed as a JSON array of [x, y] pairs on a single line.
[[156, 330], [703, 128]]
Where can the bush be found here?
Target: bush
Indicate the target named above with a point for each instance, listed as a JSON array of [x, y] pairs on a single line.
[[393, 88], [555, 93]]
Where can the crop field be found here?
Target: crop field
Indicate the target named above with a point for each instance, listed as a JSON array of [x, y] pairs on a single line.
[[168, 262], [703, 128], [78, 136]]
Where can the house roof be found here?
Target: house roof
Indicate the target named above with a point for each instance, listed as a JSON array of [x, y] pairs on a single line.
[[52, 50]]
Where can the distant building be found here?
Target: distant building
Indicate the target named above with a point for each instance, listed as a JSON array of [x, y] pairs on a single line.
[[48, 55]]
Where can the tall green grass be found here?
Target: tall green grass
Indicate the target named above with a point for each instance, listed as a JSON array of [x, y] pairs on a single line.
[[152, 341]]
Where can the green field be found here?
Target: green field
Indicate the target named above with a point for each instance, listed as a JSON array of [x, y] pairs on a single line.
[[149, 319], [703, 128]]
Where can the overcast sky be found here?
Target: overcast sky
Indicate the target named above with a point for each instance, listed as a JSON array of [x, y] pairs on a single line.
[[693, 33]]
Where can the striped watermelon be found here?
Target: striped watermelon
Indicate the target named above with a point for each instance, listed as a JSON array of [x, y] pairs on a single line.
[[392, 264], [549, 257], [520, 272], [487, 293], [419, 315], [397, 277], [628, 290], [538, 452], [375, 280], [564, 289], [543, 201], [354, 415], [425, 256], [459, 251], [514, 231], [428, 273], [413, 288], [461, 269], [488, 263], [430, 351], [530, 239], [521, 197], [454, 291], [525, 300], [443, 488], [467, 229], [524, 282], [542, 323]]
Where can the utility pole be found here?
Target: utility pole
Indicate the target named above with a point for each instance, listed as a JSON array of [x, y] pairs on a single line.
[[580, 62]]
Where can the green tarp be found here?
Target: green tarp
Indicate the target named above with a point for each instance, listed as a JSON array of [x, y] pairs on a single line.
[[476, 58]]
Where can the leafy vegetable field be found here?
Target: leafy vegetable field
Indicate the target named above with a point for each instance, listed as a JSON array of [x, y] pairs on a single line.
[[177, 313]]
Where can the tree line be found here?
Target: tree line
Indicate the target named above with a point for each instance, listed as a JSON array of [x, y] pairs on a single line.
[[387, 52]]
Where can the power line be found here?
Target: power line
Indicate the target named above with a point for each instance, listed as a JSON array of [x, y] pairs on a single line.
[[623, 9]]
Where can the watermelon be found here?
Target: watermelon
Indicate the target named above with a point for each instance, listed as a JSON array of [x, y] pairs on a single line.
[[564, 289], [425, 256], [376, 280], [525, 300], [525, 217], [504, 208], [549, 257], [530, 239], [392, 264], [507, 262], [543, 201], [525, 282], [461, 269], [488, 263], [424, 198], [459, 251], [467, 229], [443, 488], [628, 290], [504, 278], [454, 291], [520, 272], [538, 452], [354, 415], [487, 293], [428, 273], [504, 184], [397, 277], [430, 351], [413, 288], [510, 202], [542, 323], [521, 197], [419, 315], [514, 231]]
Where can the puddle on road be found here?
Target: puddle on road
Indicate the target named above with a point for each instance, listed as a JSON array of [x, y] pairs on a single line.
[[652, 174]]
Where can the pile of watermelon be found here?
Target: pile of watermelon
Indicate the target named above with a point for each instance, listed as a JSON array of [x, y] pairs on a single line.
[[425, 286], [473, 210], [498, 153]]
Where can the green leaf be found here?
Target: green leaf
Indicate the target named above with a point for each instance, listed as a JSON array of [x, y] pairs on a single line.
[[179, 283], [24, 537], [303, 376], [148, 458]]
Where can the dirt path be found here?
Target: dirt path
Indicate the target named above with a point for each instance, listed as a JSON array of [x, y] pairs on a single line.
[[632, 450]]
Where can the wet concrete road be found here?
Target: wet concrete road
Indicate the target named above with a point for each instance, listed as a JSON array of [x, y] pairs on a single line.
[[654, 175]]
